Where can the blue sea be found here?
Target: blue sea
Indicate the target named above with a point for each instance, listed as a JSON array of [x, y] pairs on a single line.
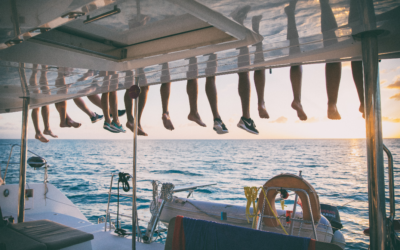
[[81, 169]]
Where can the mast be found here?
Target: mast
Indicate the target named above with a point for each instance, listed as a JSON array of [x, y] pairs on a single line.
[[25, 115], [134, 211], [372, 109]]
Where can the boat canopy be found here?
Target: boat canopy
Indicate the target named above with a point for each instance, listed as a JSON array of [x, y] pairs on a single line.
[[157, 41]]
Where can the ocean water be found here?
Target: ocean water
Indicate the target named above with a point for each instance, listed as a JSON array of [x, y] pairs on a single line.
[[81, 169]]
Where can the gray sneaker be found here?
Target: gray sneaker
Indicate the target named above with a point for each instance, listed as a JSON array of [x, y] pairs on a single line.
[[219, 127]]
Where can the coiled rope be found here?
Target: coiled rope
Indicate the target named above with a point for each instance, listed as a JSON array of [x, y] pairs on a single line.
[[124, 179], [251, 196]]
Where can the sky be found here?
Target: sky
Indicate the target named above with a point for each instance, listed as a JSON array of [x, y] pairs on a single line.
[[283, 122]]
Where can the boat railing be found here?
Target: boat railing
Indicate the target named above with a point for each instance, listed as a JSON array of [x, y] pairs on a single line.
[[262, 215], [391, 183], [108, 213], [12, 163], [392, 199]]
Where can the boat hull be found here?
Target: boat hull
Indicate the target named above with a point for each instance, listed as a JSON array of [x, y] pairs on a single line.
[[235, 215]]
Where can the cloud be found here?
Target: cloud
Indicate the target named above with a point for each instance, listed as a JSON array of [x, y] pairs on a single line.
[[384, 71], [1, 117], [383, 81], [9, 126], [387, 119], [395, 85], [396, 97], [309, 120], [281, 119]]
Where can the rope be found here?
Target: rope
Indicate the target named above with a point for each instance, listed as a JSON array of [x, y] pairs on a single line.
[[124, 178], [251, 196]]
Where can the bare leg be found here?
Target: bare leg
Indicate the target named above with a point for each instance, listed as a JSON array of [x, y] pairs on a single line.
[[211, 91], [192, 91], [165, 92], [259, 80], [95, 99], [114, 107], [333, 72], [65, 120], [35, 120], [105, 106], [296, 73], [244, 93], [46, 121], [357, 69], [82, 105], [129, 111]]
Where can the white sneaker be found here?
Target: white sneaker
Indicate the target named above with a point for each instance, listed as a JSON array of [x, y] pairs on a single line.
[[219, 127], [248, 125]]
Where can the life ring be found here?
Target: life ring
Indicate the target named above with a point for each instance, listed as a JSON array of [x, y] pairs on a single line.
[[289, 181]]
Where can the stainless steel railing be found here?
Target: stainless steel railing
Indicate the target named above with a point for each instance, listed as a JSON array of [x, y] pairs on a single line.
[[391, 183]]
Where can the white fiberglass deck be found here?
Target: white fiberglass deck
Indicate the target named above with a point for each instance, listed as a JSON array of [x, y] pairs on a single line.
[[53, 210]]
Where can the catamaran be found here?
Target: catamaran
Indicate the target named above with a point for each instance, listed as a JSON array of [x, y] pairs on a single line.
[[148, 42]]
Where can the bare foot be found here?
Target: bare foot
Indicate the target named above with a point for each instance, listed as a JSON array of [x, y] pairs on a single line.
[[49, 132], [262, 111], [333, 113], [41, 138], [167, 122], [129, 125], [196, 118], [71, 123], [140, 130], [300, 112]]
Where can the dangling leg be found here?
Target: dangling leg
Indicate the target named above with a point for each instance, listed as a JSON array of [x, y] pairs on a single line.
[[296, 73], [192, 91], [35, 120], [259, 80], [46, 121], [165, 92], [357, 70], [244, 93], [246, 123], [82, 106], [333, 72], [65, 120], [211, 91]]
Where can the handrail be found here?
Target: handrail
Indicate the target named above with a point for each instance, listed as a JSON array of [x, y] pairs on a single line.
[[9, 157], [391, 183], [309, 207], [108, 218]]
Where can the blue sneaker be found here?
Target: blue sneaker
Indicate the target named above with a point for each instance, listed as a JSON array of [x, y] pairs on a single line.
[[96, 118], [108, 127], [117, 128]]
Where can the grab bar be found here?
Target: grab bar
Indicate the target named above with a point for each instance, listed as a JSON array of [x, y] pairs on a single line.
[[391, 183], [8, 162], [116, 10]]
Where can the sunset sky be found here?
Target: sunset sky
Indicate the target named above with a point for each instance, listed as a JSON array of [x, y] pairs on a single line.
[[283, 123]]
